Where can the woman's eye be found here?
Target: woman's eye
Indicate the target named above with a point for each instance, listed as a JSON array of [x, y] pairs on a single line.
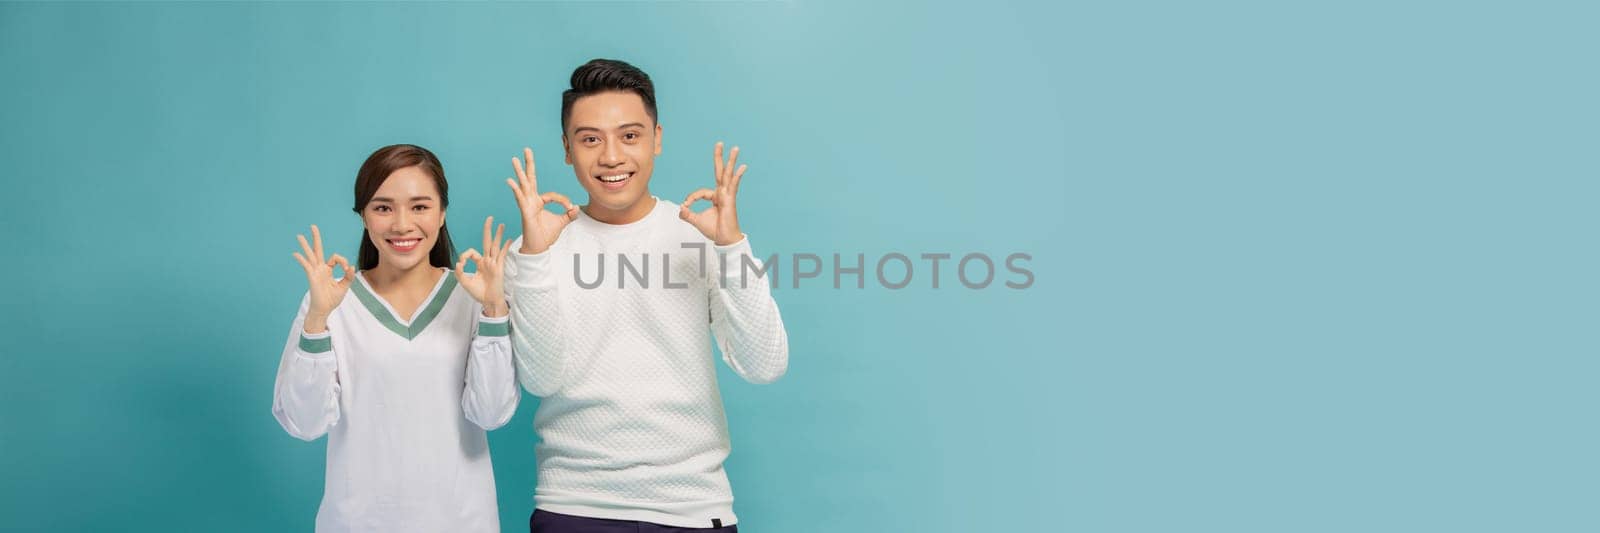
[[420, 208], [381, 209]]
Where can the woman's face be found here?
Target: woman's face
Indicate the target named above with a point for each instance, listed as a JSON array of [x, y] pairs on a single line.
[[403, 219]]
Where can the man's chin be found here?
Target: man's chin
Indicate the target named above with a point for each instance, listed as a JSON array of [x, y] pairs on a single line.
[[618, 201]]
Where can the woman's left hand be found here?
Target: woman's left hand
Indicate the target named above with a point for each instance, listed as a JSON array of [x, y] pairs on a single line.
[[487, 286]]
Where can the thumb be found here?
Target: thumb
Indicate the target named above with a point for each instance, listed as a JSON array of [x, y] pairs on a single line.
[[461, 268]]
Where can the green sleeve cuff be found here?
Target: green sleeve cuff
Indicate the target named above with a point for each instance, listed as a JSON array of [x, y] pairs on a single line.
[[317, 345], [494, 329]]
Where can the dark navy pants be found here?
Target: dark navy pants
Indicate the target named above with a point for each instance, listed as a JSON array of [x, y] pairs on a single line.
[[544, 521]]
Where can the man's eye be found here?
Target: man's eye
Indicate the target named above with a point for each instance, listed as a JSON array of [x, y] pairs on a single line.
[[630, 136], [591, 140]]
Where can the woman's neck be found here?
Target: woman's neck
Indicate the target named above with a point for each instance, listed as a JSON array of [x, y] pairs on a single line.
[[384, 278]]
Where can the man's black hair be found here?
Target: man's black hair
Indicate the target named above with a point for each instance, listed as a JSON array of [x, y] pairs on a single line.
[[604, 75]]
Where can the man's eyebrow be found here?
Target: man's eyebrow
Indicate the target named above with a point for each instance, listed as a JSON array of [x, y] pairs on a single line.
[[580, 129]]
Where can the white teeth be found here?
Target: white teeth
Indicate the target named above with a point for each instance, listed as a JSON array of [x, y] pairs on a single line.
[[404, 244], [616, 178]]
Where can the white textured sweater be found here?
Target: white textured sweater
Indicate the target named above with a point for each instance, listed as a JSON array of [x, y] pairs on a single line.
[[631, 421]]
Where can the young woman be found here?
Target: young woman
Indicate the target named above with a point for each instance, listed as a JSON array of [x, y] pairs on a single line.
[[402, 364]]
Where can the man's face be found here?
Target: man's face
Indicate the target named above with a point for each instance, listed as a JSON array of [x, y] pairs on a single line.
[[611, 143]]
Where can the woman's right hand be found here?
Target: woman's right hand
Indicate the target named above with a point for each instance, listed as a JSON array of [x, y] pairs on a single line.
[[539, 227], [326, 292]]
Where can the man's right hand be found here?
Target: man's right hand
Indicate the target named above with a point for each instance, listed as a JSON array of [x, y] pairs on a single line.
[[539, 227]]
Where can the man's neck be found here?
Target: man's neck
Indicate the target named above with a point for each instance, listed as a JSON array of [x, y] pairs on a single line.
[[633, 213]]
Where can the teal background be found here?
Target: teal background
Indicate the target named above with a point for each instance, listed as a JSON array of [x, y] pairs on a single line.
[[1311, 267]]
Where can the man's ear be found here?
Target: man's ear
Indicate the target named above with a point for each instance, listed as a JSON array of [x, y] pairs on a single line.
[[566, 148], [658, 139]]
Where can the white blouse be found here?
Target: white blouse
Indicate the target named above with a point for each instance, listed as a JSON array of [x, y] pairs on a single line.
[[405, 405]]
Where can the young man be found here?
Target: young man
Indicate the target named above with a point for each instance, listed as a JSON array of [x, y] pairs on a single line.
[[611, 304]]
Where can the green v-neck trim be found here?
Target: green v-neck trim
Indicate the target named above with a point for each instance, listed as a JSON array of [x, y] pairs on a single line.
[[426, 316]]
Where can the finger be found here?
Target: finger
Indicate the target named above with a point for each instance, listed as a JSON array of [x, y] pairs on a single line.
[[504, 247], [486, 223], [471, 255], [559, 198], [733, 160], [733, 186], [702, 194], [516, 192], [349, 274], [499, 234], [717, 156], [316, 239], [522, 175], [302, 260], [533, 177], [696, 196], [305, 247], [572, 210], [339, 261]]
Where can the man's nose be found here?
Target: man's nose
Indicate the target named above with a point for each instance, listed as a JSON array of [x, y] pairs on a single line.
[[611, 155]]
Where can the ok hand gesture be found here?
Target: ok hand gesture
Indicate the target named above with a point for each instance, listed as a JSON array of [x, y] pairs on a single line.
[[720, 222], [326, 292], [487, 286], [539, 227]]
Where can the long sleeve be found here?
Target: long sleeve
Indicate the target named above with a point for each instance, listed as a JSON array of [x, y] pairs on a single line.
[[744, 317], [305, 397], [490, 396], [538, 332]]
